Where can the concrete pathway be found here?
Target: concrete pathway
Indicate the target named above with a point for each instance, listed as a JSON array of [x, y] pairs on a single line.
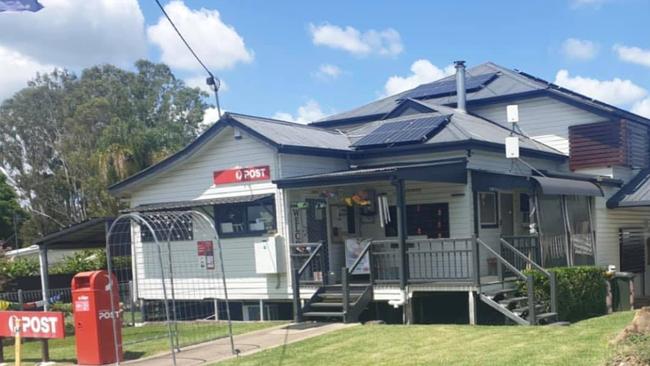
[[248, 343]]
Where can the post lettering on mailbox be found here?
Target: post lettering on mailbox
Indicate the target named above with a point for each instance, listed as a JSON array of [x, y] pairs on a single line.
[[240, 175], [33, 324]]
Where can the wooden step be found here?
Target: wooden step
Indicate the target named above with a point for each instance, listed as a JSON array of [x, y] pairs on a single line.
[[327, 305], [512, 300], [525, 309], [337, 295], [323, 314], [545, 316]]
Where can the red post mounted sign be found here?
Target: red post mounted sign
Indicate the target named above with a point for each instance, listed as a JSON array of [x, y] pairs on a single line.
[[239, 175], [33, 324]]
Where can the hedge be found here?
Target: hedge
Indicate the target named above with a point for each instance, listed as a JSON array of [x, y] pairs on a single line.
[[581, 291]]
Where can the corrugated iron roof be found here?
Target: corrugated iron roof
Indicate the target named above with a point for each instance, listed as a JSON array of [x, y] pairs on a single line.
[[176, 205], [636, 193]]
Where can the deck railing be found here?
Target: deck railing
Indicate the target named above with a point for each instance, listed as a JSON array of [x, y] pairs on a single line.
[[307, 260], [526, 244], [429, 260]]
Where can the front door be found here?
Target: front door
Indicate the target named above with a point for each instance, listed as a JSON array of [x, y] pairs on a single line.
[[317, 231], [506, 204], [646, 282]]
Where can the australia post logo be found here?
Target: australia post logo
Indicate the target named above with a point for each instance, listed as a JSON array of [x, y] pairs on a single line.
[[32, 324], [239, 175]]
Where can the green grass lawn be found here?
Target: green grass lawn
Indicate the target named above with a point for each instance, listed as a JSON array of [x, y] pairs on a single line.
[[583, 343], [141, 341]]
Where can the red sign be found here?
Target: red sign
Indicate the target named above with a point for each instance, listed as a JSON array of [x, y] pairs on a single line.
[[32, 324], [238, 175], [206, 254]]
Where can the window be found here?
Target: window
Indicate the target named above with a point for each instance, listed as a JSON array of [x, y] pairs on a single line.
[[430, 220], [487, 202], [245, 219], [524, 207], [162, 223]]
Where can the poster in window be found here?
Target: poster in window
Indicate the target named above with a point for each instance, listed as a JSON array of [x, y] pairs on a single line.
[[206, 254]]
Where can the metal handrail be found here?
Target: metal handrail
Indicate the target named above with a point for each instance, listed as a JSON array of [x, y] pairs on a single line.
[[311, 257], [551, 275], [501, 259], [360, 257], [524, 257]]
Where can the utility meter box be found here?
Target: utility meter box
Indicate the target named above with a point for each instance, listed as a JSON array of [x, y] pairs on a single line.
[[96, 314], [268, 255]]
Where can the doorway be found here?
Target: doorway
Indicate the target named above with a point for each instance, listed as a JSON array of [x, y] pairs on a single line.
[[506, 205]]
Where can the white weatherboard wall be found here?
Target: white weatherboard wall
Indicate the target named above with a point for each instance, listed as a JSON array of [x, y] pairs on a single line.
[[544, 119], [192, 180]]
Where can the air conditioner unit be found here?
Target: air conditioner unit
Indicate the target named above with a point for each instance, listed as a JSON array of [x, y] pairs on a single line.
[[268, 255]]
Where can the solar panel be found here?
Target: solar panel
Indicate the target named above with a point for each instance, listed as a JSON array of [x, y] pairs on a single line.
[[402, 132], [448, 87]]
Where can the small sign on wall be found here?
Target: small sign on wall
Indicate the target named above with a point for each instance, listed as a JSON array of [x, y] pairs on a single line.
[[239, 175], [206, 254]]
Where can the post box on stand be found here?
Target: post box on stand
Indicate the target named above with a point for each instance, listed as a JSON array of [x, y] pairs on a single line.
[[93, 318]]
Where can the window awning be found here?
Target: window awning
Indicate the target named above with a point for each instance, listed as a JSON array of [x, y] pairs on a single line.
[[560, 186], [448, 171], [636, 193], [178, 205]]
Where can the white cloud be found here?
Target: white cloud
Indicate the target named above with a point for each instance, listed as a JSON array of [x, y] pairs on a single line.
[[422, 71], [579, 49], [615, 91], [642, 107], [328, 72], [634, 55], [77, 33], [309, 112], [386, 42], [217, 44], [210, 116], [17, 69], [199, 82]]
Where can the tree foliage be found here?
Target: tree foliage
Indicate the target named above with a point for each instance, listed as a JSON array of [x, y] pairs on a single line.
[[65, 138], [10, 211]]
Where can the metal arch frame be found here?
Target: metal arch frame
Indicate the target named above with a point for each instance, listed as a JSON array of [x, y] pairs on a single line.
[[141, 220], [190, 214], [145, 220]]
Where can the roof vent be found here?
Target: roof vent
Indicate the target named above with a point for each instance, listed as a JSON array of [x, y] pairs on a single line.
[[461, 96]]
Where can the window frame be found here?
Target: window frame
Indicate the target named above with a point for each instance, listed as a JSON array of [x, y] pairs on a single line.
[[488, 225], [392, 226], [245, 205]]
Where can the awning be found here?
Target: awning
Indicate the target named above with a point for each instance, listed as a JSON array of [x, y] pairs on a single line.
[[178, 205], [448, 171], [87, 234], [636, 193], [560, 186]]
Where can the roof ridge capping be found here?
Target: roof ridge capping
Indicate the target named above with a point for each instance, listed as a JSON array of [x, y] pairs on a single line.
[[232, 115]]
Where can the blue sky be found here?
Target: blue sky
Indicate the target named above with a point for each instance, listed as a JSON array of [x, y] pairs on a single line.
[[269, 53]]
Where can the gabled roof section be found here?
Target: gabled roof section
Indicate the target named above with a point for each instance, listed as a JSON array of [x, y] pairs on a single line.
[[284, 136], [505, 85], [636, 193]]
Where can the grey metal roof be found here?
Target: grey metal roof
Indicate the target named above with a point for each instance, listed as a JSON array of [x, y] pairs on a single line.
[[176, 205], [508, 83], [87, 234], [293, 134], [461, 127], [636, 193]]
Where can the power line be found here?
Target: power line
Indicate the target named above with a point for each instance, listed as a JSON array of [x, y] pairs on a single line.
[[212, 81]]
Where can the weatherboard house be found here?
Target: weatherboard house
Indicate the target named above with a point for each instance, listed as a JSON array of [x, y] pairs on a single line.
[[411, 208]]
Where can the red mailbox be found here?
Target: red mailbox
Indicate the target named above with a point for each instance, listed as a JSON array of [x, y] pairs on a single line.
[[93, 318]]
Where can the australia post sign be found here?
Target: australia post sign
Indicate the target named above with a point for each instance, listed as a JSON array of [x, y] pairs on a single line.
[[240, 175], [32, 324]]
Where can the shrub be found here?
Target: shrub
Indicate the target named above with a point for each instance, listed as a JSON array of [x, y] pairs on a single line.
[[20, 267], [81, 261], [581, 291]]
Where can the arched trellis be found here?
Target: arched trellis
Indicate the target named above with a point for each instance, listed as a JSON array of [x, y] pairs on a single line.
[[157, 231]]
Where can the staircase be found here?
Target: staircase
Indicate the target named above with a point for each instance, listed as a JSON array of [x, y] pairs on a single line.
[[329, 303], [522, 310]]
